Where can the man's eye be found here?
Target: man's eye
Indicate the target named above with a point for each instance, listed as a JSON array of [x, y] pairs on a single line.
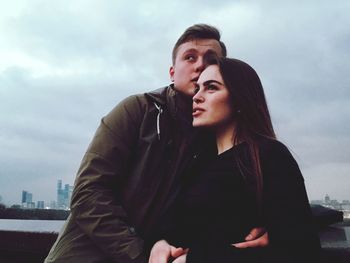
[[196, 89], [190, 57]]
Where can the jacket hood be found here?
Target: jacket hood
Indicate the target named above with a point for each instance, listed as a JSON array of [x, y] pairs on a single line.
[[161, 95]]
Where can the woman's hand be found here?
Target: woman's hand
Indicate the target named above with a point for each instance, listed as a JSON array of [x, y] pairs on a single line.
[[162, 251], [258, 237]]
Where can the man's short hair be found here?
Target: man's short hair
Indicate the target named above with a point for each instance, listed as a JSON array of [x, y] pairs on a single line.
[[199, 31]]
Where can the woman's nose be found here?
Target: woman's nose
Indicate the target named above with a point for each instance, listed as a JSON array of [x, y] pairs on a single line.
[[198, 98]]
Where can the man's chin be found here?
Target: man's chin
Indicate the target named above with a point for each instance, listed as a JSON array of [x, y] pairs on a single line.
[[187, 91]]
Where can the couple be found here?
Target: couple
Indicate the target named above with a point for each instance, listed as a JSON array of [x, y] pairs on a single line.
[[148, 176]]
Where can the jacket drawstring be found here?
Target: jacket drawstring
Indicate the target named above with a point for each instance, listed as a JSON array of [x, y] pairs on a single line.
[[160, 110]]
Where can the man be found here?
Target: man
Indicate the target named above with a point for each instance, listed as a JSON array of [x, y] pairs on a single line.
[[129, 173]]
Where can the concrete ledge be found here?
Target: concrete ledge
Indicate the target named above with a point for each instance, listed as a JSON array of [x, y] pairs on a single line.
[[19, 246], [27, 242], [335, 255]]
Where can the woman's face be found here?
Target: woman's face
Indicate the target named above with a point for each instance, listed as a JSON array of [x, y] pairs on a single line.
[[212, 106]]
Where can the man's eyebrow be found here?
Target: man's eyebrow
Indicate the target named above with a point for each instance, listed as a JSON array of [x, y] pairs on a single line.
[[191, 50], [206, 83]]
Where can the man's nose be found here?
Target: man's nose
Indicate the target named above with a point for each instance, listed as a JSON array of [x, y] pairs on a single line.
[[200, 65]]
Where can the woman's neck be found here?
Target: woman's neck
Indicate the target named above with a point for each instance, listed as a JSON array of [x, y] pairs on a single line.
[[224, 137]]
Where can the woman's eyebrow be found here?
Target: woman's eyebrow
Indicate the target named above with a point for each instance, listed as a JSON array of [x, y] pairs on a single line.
[[206, 83]]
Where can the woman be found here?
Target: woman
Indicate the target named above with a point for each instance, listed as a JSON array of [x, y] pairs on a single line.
[[252, 180]]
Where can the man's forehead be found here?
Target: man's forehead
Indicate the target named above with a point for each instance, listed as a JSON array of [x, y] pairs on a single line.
[[200, 44]]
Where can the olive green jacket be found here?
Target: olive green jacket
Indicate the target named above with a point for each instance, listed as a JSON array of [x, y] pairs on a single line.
[[125, 180]]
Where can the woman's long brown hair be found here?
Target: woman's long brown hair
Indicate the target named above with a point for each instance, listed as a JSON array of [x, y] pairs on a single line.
[[250, 112]]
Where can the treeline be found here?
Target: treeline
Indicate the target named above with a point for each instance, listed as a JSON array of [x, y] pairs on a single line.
[[34, 214]]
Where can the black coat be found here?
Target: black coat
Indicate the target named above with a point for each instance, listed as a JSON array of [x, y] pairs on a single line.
[[218, 207]]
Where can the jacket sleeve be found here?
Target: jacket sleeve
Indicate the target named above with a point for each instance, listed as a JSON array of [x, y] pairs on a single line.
[[286, 214], [95, 206]]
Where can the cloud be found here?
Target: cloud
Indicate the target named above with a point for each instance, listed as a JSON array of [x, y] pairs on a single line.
[[66, 64]]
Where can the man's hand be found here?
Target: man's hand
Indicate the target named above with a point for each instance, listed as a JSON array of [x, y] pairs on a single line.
[[258, 237], [180, 259], [161, 252]]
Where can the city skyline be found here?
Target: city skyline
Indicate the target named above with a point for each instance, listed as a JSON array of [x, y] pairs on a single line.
[[64, 196], [62, 201], [59, 200]]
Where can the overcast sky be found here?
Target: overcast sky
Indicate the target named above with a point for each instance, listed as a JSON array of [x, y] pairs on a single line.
[[65, 64]]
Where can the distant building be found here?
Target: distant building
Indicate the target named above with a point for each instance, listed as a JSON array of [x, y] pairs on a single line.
[[29, 197], [344, 206], [31, 205], [327, 200], [63, 195], [53, 205], [27, 200], [60, 195], [40, 205], [24, 196], [317, 202], [68, 193], [335, 204]]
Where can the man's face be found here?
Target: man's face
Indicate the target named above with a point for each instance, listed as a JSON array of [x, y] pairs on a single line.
[[188, 63]]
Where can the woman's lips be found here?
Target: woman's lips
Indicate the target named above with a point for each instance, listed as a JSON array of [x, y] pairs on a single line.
[[197, 111]]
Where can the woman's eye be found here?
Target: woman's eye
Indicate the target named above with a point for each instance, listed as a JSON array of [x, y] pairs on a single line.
[[196, 89], [211, 87]]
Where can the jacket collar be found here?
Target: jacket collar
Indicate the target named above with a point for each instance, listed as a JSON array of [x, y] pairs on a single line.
[[179, 106]]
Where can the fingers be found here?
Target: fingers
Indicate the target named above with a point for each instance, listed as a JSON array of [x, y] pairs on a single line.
[[181, 259], [158, 258], [245, 244], [160, 252], [176, 252], [262, 241], [255, 233]]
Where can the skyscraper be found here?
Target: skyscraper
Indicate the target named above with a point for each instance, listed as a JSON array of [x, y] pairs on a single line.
[[60, 195], [27, 200], [40, 205], [63, 195], [24, 196]]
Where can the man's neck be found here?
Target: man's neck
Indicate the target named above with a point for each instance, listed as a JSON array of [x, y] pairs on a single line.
[[184, 102]]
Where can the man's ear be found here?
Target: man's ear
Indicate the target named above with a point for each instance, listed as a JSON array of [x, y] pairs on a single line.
[[171, 73]]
